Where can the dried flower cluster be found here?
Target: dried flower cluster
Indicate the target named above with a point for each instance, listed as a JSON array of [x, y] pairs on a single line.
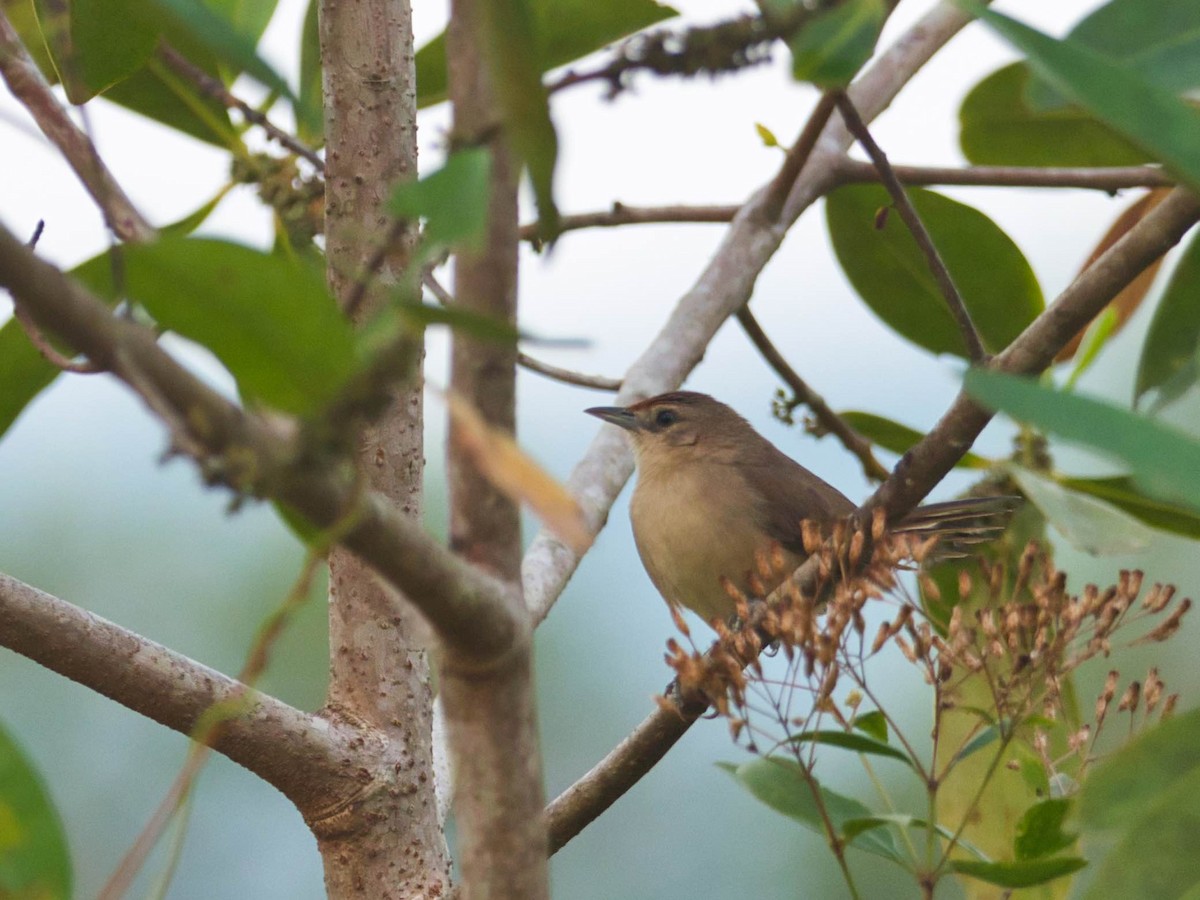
[[1020, 631]]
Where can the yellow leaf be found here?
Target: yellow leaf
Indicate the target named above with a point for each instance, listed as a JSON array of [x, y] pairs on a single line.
[[518, 477]]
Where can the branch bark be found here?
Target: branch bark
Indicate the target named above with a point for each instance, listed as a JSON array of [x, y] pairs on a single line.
[[295, 752], [390, 840], [491, 719]]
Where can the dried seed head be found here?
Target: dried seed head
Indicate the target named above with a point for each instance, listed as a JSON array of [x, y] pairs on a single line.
[[1152, 689], [1129, 699], [964, 584], [1169, 706]]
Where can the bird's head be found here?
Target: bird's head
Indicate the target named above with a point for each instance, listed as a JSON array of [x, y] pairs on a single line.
[[675, 428]]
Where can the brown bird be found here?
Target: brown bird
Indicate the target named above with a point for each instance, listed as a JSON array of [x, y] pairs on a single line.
[[712, 492]]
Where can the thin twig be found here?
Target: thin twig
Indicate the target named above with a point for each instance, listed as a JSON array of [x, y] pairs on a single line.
[[379, 256], [832, 422], [620, 214], [214, 88], [567, 376], [34, 334], [1109, 179], [29, 87], [779, 189], [945, 283]]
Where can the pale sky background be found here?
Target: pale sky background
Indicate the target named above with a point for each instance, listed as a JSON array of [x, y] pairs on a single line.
[[87, 513]]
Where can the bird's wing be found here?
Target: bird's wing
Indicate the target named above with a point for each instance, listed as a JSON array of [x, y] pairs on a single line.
[[789, 494]]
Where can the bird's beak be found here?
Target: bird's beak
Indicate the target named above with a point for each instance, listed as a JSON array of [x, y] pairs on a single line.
[[615, 415]]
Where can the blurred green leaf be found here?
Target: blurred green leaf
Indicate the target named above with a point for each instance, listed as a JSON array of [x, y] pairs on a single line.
[[830, 49], [220, 36], [1040, 831], [1000, 128], [512, 53], [462, 320], [1152, 117], [1173, 338], [108, 46], [270, 320], [34, 860], [988, 735], [899, 439], [1089, 524], [854, 827], [565, 31], [1020, 873], [1103, 327], [1157, 39], [1151, 768], [311, 128], [1162, 460], [453, 201], [780, 784], [1120, 491], [848, 740], [1148, 792], [873, 723], [889, 271]]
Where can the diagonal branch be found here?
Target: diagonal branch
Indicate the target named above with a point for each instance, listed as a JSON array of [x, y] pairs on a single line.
[[470, 610], [833, 423], [937, 267], [298, 753], [27, 84]]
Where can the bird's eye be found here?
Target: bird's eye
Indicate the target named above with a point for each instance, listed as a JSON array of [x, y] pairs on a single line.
[[665, 417]]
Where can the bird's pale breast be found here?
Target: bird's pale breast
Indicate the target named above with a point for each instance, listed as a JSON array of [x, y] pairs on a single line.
[[702, 532]]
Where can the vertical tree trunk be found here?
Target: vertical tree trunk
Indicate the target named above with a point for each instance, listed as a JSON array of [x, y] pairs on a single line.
[[492, 720], [388, 842]]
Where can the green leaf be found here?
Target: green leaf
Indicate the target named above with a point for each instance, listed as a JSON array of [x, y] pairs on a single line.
[[311, 128], [269, 320], [1088, 524], [988, 735], [1020, 873], [1148, 792], [873, 723], [1000, 128], [848, 740], [899, 439], [854, 827], [1157, 39], [1120, 491], [565, 30], [889, 271], [1153, 118], [1103, 327], [512, 53], [780, 784], [830, 49], [453, 200], [1162, 460], [1040, 831], [1173, 339], [34, 861]]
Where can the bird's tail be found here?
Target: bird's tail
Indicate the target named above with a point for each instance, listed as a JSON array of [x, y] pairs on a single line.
[[960, 524]]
